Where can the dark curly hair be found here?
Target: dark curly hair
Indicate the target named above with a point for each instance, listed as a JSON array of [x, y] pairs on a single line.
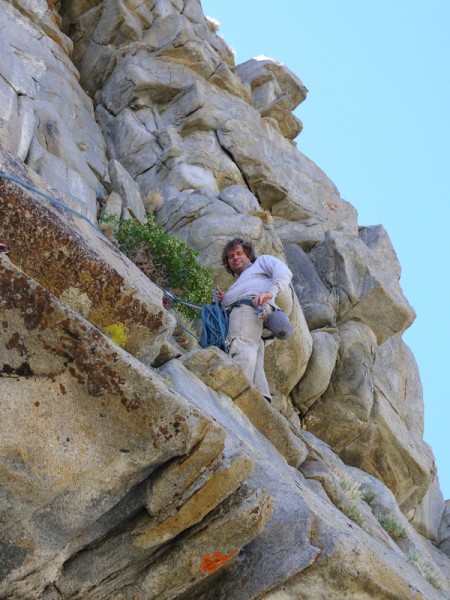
[[248, 249]]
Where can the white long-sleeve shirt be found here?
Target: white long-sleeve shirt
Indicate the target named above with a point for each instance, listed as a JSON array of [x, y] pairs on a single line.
[[266, 274]]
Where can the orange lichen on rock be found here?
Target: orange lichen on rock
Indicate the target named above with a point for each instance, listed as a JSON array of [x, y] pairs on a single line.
[[210, 564]]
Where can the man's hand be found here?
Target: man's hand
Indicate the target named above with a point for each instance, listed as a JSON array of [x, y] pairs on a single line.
[[219, 295], [262, 298]]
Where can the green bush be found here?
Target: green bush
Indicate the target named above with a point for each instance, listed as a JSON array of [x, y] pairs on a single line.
[[369, 495], [353, 512], [165, 259], [392, 526]]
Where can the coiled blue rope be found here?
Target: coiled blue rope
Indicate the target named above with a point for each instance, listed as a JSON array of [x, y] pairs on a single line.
[[214, 326], [214, 321]]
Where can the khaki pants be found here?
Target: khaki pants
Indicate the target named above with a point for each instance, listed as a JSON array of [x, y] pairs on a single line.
[[246, 346]]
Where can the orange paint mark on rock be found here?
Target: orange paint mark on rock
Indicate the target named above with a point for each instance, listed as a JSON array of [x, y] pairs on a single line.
[[210, 563]]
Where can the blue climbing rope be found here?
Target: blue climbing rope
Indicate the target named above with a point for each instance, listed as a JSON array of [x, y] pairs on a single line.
[[214, 320], [214, 326], [53, 200]]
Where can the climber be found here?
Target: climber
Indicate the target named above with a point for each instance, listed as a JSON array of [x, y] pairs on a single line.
[[249, 300]]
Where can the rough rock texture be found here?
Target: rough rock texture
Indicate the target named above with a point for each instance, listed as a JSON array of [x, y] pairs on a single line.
[[72, 259], [46, 117], [131, 469]]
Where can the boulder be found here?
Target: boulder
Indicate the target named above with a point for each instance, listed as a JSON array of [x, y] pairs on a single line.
[[18, 121], [317, 301], [112, 207], [225, 79], [174, 36], [144, 79], [366, 416], [99, 32], [305, 234], [429, 512], [261, 70], [130, 139], [217, 370], [444, 530], [204, 151], [285, 361], [396, 376], [317, 377], [123, 184], [343, 412], [192, 9], [181, 209], [46, 18], [361, 286], [239, 198], [273, 425], [280, 110], [284, 181]]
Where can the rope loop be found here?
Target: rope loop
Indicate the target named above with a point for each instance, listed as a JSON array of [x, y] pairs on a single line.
[[214, 320]]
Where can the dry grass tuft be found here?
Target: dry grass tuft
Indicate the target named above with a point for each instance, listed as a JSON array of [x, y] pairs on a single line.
[[350, 487], [427, 572], [213, 24], [153, 201]]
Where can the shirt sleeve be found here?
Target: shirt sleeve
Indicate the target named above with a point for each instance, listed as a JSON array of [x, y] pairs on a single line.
[[280, 275]]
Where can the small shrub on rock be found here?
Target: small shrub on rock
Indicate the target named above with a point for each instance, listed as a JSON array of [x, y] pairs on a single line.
[[369, 495], [392, 526], [353, 512], [165, 259], [419, 562]]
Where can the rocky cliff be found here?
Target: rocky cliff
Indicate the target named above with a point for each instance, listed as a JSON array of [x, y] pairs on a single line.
[[143, 471]]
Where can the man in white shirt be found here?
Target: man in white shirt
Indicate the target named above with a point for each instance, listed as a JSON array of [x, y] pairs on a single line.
[[259, 281]]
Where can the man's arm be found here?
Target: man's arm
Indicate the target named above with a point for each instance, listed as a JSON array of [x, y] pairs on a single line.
[[262, 298], [280, 276]]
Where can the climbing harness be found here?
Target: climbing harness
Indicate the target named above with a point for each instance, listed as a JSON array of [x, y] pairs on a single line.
[[214, 320], [4, 249], [53, 200]]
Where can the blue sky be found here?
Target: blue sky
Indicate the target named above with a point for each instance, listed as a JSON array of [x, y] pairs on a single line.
[[377, 121]]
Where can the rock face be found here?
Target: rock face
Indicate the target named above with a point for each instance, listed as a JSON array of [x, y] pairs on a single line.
[[131, 469]]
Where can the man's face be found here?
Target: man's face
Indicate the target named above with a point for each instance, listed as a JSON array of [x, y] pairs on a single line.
[[238, 261]]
